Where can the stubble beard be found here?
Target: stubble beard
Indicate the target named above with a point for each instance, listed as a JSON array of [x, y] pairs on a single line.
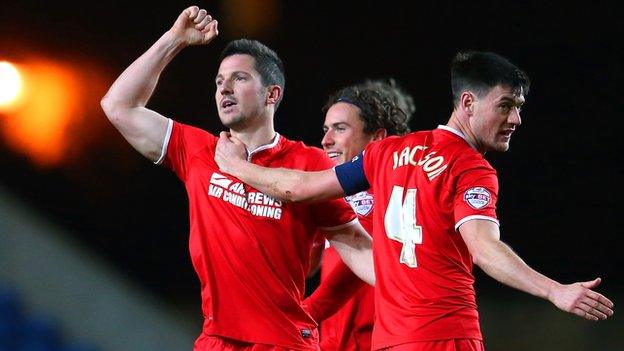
[[235, 122]]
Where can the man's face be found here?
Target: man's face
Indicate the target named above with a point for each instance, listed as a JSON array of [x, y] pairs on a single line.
[[240, 95], [496, 116], [344, 132]]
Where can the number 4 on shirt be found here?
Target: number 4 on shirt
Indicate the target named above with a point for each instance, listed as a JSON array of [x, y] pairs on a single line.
[[400, 224]]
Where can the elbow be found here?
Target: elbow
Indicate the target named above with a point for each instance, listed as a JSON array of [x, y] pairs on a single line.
[[481, 258], [113, 110], [293, 195], [292, 191], [110, 108], [299, 193], [477, 260]]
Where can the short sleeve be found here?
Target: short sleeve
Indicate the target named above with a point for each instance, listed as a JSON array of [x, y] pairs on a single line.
[[476, 194], [181, 144]]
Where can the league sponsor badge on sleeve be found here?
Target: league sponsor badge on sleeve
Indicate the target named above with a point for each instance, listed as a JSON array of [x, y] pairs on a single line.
[[362, 202], [477, 197]]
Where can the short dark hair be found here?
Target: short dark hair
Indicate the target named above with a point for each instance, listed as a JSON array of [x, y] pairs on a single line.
[[482, 71], [267, 63], [382, 105]]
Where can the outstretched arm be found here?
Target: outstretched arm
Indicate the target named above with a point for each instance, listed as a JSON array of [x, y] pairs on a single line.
[[285, 184], [500, 262], [124, 103]]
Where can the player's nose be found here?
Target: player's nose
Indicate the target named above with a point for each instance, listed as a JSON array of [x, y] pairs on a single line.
[[514, 117], [328, 140]]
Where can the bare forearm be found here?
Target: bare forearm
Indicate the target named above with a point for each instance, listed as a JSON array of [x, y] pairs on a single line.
[[354, 246], [135, 85], [359, 261], [502, 264], [287, 184]]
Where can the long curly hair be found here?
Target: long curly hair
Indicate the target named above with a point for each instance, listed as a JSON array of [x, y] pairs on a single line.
[[382, 104]]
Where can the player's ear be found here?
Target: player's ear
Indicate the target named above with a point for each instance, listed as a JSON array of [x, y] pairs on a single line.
[[467, 102], [274, 94], [379, 134]]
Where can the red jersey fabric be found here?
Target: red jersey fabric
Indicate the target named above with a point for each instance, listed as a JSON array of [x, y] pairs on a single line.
[[250, 251], [349, 329], [426, 185], [441, 345]]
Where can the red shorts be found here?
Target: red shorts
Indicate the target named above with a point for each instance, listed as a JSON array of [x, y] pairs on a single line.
[[440, 345], [217, 343]]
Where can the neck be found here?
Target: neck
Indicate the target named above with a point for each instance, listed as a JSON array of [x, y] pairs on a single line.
[[254, 136], [463, 125]]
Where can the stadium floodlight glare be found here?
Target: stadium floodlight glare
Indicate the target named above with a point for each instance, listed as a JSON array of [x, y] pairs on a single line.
[[10, 83]]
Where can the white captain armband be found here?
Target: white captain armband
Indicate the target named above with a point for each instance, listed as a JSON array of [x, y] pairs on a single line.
[[351, 175]]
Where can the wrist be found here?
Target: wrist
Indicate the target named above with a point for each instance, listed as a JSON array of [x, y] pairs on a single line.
[[551, 291], [238, 167], [174, 41]]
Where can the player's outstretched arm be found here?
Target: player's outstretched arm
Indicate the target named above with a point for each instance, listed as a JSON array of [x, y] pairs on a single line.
[[284, 184], [124, 103], [500, 262], [354, 246]]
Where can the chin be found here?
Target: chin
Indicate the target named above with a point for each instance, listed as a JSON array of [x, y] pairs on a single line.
[[232, 122], [502, 147]]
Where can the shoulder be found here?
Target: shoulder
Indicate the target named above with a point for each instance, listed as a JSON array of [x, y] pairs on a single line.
[[399, 144], [303, 156], [469, 159]]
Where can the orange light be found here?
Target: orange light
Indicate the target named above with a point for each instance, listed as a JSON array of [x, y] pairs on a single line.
[[255, 18], [10, 86], [40, 127]]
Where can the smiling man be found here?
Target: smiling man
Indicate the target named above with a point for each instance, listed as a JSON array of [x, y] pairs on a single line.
[[435, 214], [354, 117]]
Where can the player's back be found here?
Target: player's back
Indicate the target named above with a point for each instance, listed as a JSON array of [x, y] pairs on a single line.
[[424, 270]]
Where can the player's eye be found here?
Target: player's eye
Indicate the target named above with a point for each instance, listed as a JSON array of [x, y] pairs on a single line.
[[504, 108]]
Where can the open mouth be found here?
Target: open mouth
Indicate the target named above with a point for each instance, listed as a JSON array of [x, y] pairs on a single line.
[[333, 154], [227, 103], [507, 133]]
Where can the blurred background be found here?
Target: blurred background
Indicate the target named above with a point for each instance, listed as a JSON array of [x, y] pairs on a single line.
[[93, 238]]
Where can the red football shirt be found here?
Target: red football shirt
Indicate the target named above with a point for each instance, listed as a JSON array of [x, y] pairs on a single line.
[[249, 250], [350, 328], [426, 185]]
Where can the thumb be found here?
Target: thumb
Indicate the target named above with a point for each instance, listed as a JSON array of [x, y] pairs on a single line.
[[592, 283], [224, 136], [211, 31]]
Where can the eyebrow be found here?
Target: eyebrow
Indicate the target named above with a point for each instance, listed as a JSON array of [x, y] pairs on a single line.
[[515, 102], [336, 124], [233, 74]]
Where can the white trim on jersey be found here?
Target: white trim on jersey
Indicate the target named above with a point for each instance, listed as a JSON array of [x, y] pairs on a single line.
[[469, 218], [341, 226], [453, 130], [163, 153], [272, 144], [327, 244]]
